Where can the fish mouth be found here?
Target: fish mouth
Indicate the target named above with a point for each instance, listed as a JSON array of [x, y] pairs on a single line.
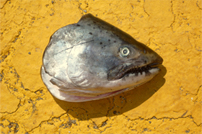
[[136, 70], [125, 71]]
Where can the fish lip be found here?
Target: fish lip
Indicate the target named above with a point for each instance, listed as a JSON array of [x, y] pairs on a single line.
[[133, 69]]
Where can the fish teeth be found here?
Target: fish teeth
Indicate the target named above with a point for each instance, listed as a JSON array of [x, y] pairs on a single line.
[[135, 74]]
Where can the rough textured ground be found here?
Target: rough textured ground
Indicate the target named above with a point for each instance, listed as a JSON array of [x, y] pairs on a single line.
[[170, 103]]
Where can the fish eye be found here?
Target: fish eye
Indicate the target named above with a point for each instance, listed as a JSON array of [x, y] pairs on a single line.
[[124, 51]]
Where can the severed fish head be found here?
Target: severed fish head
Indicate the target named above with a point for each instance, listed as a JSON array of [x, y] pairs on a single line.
[[92, 59]]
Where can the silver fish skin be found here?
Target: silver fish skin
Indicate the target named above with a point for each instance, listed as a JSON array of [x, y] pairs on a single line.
[[92, 60]]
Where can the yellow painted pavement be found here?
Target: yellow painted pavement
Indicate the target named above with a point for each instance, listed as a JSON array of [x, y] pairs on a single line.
[[170, 103]]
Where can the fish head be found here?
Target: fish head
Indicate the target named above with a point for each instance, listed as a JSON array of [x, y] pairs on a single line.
[[92, 60]]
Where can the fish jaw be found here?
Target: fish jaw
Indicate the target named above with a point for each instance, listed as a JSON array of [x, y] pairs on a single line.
[[133, 79], [137, 81]]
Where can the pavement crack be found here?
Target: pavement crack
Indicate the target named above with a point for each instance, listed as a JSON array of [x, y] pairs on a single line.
[[83, 114], [195, 94], [104, 123], [15, 38], [33, 106], [198, 6], [184, 113], [171, 25], [4, 55], [69, 123], [113, 105], [145, 9], [18, 106], [5, 4], [51, 118], [95, 126], [162, 118], [197, 49], [105, 129]]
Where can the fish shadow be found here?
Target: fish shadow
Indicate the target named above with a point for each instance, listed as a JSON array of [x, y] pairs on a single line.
[[114, 105]]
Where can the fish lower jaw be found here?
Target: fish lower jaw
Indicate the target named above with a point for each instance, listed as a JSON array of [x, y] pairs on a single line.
[[56, 92], [154, 70]]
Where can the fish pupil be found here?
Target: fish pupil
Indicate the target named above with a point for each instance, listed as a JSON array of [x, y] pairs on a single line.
[[125, 51]]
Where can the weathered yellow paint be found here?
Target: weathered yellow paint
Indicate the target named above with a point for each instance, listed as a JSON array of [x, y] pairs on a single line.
[[170, 103]]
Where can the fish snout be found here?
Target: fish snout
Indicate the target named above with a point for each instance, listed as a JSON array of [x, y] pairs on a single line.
[[152, 58], [158, 60]]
